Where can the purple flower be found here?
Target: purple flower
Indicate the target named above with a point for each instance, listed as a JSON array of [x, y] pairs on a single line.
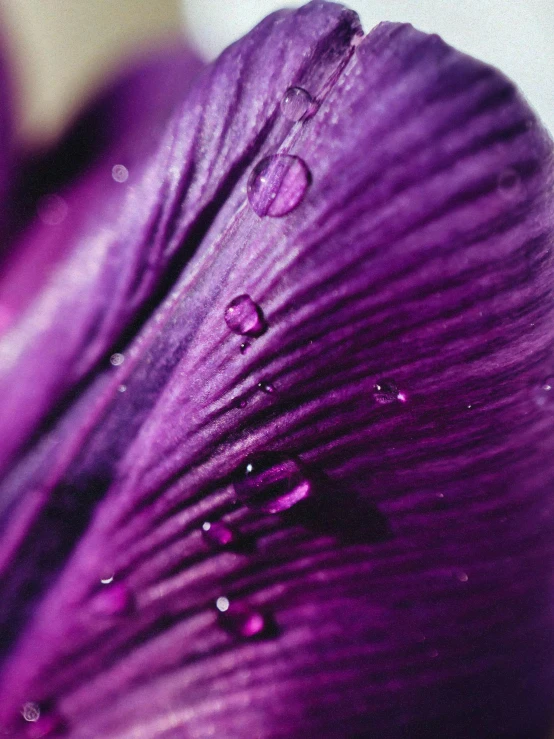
[[277, 429]]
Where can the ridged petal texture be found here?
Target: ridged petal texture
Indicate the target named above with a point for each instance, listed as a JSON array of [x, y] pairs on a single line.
[[376, 448]]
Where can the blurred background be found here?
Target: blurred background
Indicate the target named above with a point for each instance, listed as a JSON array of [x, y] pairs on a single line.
[[62, 50]]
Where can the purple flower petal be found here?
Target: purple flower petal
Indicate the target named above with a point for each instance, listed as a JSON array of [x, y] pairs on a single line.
[[408, 590]]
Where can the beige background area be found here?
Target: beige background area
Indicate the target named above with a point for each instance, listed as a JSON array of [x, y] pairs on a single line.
[[62, 49]]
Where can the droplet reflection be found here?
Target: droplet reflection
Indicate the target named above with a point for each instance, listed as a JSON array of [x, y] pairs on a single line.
[[239, 619], [271, 482], [217, 534], [297, 103], [244, 316], [277, 185]]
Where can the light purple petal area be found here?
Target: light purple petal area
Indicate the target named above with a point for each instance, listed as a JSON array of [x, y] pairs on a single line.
[[407, 589]]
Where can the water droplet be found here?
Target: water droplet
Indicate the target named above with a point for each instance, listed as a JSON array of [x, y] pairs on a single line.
[[107, 578], [217, 534], [509, 184], [240, 619], [117, 359], [30, 711], [46, 725], [271, 482], [277, 185], [266, 387], [297, 103], [52, 210], [120, 173], [240, 403], [244, 347], [462, 576], [543, 393], [244, 316], [122, 389], [433, 653], [114, 600], [386, 391]]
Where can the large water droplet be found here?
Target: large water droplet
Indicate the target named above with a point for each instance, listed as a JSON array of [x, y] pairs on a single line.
[[244, 316], [386, 391], [271, 482], [277, 185], [240, 619], [217, 535], [297, 103], [543, 393]]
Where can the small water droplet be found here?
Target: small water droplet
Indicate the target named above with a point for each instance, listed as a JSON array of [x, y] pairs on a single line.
[[217, 534], [114, 600], [266, 387], [297, 103], [277, 185], [386, 391], [244, 347], [107, 578], [47, 725], [271, 482], [117, 359], [240, 403], [240, 619], [509, 184], [52, 210], [30, 711], [462, 576], [244, 316], [122, 389], [543, 393], [120, 173], [433, 653]]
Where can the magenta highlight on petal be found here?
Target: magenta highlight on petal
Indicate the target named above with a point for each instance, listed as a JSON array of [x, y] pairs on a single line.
[[240, 619], [217, 534], [115, 599], [48, 724]]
